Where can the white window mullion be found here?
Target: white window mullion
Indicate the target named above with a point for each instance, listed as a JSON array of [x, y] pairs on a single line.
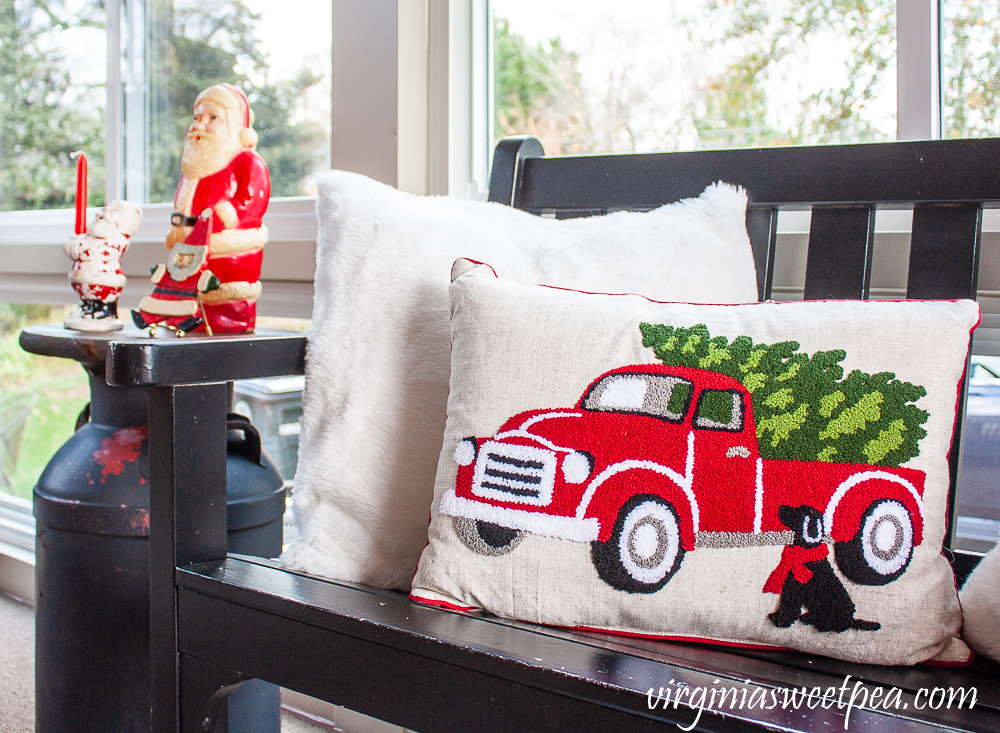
[[133, 91], [480, 107], [438, 86], [113, 184], [364, 132], [918, 88]]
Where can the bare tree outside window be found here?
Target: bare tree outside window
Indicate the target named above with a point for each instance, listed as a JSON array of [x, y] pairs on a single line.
[[198, 43], [53, 71], [52, 101], [970, 60], [710, 73]]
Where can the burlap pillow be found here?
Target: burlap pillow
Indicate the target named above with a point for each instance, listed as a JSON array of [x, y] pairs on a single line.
[[771, 474]]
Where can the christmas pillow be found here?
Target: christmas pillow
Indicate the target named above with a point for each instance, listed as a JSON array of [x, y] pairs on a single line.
[[772, 474], [378, 360]]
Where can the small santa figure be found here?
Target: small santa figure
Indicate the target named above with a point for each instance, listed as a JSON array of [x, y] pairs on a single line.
[[96, 274], [184, 282], [216, 225]]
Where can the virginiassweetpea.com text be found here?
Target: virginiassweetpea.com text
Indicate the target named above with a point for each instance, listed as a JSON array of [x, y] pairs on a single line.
[[847, 696]]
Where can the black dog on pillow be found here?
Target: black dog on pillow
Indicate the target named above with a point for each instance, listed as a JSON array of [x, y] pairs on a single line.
[[805, 579]]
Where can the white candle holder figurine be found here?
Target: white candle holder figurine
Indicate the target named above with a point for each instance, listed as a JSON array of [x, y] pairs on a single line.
[[97, 275]]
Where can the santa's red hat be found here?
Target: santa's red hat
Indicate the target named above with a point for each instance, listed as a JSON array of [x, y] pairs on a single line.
[[232, 98]]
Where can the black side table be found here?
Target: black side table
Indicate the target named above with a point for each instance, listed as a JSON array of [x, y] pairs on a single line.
[[107, 544]]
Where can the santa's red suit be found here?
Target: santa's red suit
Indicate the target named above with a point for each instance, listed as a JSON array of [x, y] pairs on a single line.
[[183, 284], [236, 199]]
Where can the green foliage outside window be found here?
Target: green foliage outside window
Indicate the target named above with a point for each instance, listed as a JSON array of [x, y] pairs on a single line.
[[196, 45], [537, 92], [736, 103], [44, 115], [803, 406], [970, 59], [59, 386], [538, 88]]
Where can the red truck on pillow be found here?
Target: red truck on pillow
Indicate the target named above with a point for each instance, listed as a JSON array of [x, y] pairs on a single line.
[[656, 461]]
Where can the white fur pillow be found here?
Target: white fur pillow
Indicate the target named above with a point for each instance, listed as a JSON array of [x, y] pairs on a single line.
[[980, 599], [378, 360]]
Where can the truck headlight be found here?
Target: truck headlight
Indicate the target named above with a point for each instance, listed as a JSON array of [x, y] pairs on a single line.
[[576, 467], [465, 452]]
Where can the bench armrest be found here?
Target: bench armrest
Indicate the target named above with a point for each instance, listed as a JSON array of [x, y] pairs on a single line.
[[163, 362]]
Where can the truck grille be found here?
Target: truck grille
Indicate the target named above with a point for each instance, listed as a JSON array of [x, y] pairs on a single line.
[[515, 473]]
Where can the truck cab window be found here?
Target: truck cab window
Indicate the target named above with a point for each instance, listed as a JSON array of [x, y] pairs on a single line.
[[720, 409], [655, 395]]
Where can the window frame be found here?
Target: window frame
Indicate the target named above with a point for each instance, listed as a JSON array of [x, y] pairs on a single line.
[[435, 100]]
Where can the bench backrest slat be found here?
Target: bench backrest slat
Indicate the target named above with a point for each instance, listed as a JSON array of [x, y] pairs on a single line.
[[944, 251], [762, 227], [891, 175], [839, 259], [944, 263]]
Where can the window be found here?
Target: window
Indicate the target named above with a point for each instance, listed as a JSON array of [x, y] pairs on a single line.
[[175, 48], [54, 94], [40, 400], [970, 65], [52, 100], [720, 409], [644, 76], [655, 395], [586, 76]]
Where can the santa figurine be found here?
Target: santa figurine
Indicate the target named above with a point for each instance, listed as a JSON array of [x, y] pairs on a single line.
[[97, 275], [211, 280]]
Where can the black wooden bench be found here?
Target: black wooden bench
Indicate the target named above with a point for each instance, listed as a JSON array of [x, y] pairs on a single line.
[[219, 621]]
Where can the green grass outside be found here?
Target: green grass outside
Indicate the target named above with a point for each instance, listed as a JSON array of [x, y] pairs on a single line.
[[61, 395], [61, 386]]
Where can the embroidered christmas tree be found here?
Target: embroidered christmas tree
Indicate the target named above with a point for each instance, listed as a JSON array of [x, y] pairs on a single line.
[[804, 407]]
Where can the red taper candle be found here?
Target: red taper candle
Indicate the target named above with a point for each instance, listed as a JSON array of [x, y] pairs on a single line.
[[81, 193]]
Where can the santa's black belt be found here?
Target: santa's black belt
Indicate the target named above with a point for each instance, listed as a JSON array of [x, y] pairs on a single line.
[[160, 290], [179, 220]]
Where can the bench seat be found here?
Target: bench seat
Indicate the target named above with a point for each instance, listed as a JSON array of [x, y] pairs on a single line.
[[425, 668]]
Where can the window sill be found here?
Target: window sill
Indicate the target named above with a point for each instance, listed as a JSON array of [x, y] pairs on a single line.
[[33, 267], [17, 548]]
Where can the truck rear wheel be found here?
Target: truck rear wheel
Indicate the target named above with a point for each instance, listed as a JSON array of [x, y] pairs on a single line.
[[644, 550], [882, 548], [487, 538]]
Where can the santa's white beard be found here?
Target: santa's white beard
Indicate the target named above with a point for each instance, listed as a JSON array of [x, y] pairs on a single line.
[[208, 154]]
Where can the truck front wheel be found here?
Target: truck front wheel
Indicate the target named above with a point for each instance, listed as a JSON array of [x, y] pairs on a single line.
[[882, 548], [487, 538], [644, 550]]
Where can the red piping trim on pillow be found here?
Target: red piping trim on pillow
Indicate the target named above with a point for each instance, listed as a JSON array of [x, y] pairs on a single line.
[[698, 639], [655, 637], [476, 262], [966, 663], [442, 604], [958, 391], [770, 302]]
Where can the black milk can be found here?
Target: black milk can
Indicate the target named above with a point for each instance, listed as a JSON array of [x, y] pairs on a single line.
[[91, 506]]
